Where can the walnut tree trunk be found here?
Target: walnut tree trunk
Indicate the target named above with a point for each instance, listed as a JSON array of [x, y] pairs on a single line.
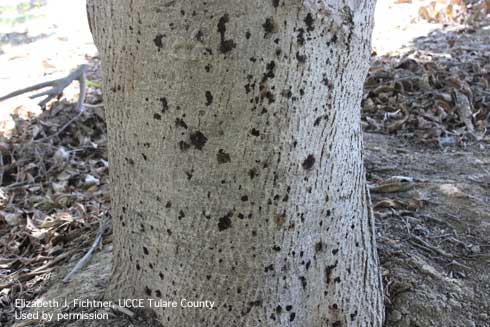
[[236, 159]]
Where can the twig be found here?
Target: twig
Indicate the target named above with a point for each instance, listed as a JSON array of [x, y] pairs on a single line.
[[417, 241], [84, 259], [59, 131], [57, 87]]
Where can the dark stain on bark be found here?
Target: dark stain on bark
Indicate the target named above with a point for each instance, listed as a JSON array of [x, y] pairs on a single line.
[[164, 104], [199, 36], [168, 204], [158, 40], [198, 140], [225, 222], [337, 323], [308, 162], [292, 315], [184, 146], [145, 250], [275, 3], [318, 246], [269, 26], [222, 157], [328, 272], [300, 38], [248, 35], [209, 98], [225, 45], [303, 282], [269, 73], [317, 121], [309, 21], [301, 58], [148, 291], [252, 173], [180, 123]]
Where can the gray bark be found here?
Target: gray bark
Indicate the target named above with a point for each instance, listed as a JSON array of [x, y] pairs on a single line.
[[236, 159]]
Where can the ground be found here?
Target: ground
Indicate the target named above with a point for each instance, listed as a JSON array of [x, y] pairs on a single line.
[[426, 111]]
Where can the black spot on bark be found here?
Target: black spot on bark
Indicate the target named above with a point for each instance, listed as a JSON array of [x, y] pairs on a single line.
[[255, 132], [337, 324], [335, 251], [181, 215], [275, 3], [248, 35], [336, 280], [269, 26], [198, 140], [158, 293], [292, 315], [289, 307], [145, 250], [222, 157], [276, 248], [160, 274], [309, 21], [252, 173], [164, 104], [328, 272], [180, 123], [303, 281], [353, 315], [144, 156], [301, 58], [158, 41], [168, 204], [317, 121], [300, 38], [269, 268], [318, 247], [225, 45], [244, 198], [147, 291], [209, 98], [308, 162], [325, 81], [225, 222], [207, 68], [199, 36], [269, 73], [278, 309], [184, 146], [257, 303]]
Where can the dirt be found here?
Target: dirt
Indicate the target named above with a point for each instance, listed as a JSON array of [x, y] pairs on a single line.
[[434, 242], [431, 200]]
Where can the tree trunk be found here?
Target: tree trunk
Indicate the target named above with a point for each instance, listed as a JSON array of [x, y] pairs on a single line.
[[236, 159]]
